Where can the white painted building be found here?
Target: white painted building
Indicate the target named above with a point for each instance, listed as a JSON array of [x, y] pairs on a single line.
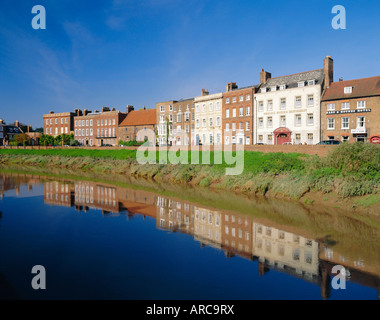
[[287, 109], [208, 119]]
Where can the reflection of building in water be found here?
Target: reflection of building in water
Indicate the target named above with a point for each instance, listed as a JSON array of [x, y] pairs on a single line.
[[174, 215], [286, 251], [14, 181], [237, 235], [58, 193], [207, 226]]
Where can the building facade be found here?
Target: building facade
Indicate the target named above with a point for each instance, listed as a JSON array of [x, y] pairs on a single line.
[[59, 123], [351, 111], [139, 125], [287, 108], [208, 119], [98, 128], [237, 117]]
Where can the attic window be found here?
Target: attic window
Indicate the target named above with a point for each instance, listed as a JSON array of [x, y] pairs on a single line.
[[282, 87], [301, 84], [311, 82], [273, 88], [263, 90], [347, 89]]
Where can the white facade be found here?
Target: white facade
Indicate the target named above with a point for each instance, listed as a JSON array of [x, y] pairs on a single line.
[[296, 108], [208, 120]]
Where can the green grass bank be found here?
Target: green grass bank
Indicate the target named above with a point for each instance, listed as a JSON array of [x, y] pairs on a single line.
[[350, 170]]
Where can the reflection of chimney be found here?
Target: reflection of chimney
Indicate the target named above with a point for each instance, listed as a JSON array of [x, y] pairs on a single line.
[[328, 70], [230, 86], [325, 284], [204, 92], [264, 76]]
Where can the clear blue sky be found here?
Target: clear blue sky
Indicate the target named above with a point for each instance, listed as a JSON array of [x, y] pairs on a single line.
[[113, 53]]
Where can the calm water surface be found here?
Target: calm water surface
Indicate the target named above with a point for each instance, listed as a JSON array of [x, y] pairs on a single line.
[[101, 241]]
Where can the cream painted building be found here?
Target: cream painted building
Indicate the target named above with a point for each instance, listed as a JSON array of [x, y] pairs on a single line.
[[208, 119], [207, 226]]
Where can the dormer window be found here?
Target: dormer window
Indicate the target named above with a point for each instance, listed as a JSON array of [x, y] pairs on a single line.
[[347, 89], [283, 87], [311, 82], [301, 84], [273, 88], [263, 90]]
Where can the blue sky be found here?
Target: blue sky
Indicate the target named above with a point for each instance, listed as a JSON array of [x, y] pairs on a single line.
[[139, 52]]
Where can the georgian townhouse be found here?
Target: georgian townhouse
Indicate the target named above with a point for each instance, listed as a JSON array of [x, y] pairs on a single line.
[[99, 128], [208, 119], [165, 115], [287, 108], [183, 121], [237, 117], [59, 123], [351, 111]]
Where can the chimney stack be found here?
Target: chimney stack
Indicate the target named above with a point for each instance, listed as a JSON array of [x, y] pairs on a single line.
[[230, 86], [51, 112], [130, 108], [144, 108], [204, 92], [328, 71], [105, 109], [264, 76], [17, 123]]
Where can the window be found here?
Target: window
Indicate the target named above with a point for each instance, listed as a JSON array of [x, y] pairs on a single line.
[[330, 106], [162, 108], [310, 138], [301, 84], [234, 126], [218, 121], [105, 122], [197, 123], [261, 138], [345, 122], [56, 121], [283, 104], [211, 138], [270, 105], [310, 101], [311, 82], [204, 107], [360, 122], [261, 106], [269, 122], [283, 121], [345, 105], [170, 107], [227, 100], [361, 104], [248, 97], [227, 113], [211, 122], [298, 138], [241, 98], [282, 87], [298, 102], [227, 127], [178, 117], [345, 138], [330, 123], [310, 119], [203, 122], [263, 90], [247, 125], [347, 89], [197, 108], [298, 120], [270, 139], [248, 140], [234, 112], [233, 99], [218, 138], [261, 122], [217, 106], [247, 111], [187, 116], [241, 112], [274, 88], [240, 125], [211, 107], [91, 122]]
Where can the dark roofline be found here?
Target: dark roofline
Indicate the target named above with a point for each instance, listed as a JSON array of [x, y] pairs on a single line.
[[289, 75]]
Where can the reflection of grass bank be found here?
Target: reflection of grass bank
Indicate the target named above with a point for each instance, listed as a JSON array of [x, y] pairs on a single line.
[[350, 170]]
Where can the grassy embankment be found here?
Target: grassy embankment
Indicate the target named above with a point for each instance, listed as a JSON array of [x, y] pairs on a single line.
[[349, 170]]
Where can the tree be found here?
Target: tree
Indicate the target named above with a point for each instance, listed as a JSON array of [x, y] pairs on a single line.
[[22, 139], [46, 140], [40, 130]]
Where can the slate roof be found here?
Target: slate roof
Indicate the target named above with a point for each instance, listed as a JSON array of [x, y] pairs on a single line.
[[291, 81], [140, 118], [365, 87]]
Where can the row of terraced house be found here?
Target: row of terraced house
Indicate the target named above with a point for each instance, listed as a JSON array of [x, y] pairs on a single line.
[[302, 108]]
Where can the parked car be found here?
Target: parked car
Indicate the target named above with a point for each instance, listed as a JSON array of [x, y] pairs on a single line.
[[286, 143], [329, 142]]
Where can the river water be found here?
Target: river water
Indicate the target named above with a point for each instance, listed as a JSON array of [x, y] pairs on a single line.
[[101, 240]]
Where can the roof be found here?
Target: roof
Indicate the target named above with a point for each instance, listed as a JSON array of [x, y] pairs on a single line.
[[140, 118], [291, 81], [365, 87]]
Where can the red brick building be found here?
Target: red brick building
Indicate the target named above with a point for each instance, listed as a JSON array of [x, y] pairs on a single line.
[[350, 111], [59, 123], [237, 119], [138, 125]]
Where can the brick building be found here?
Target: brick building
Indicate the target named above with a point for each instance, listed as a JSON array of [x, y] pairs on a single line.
[[58, 123], [238, 114], [175, 122], [351, 111], [99, 128], [137, 124]]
